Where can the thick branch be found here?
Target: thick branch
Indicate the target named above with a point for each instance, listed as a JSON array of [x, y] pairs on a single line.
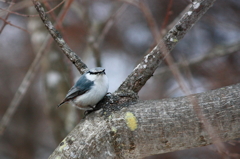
[[136, 80], [154, 127], [59, 40]]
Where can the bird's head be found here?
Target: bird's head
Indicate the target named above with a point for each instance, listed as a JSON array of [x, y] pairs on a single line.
[[95, 73]]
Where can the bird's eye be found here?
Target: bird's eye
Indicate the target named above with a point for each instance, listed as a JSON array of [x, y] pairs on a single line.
[[93, 73]]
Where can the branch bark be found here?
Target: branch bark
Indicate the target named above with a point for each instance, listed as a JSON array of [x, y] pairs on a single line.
[[154, 127], [145, 69], [72, 56]]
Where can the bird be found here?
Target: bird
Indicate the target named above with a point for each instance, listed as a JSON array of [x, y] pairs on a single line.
[[90, 88]]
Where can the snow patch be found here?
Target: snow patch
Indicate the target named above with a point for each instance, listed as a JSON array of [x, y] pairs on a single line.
[[196, 5], [189, 12], [146, 58], [137, 67]]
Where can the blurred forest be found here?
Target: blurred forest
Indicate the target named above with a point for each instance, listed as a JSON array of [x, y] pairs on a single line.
[[114, 34]]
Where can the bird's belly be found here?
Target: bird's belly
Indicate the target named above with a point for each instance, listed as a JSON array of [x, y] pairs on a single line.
[[90, 98]]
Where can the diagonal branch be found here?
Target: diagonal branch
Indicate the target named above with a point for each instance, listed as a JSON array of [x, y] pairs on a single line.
[[145, 69], [73, 57]]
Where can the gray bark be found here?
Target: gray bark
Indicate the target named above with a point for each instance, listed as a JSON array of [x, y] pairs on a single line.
[[155, 127]]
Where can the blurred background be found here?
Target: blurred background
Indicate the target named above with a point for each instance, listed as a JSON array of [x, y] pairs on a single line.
[[113, 34]]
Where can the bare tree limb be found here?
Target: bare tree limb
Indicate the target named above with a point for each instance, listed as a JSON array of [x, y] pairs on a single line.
[[82, 67], [136, 80], [154, 127]]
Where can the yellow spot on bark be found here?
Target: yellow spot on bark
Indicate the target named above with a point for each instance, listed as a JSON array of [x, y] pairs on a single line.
[[62, 145], [131, 121], [114, 129]]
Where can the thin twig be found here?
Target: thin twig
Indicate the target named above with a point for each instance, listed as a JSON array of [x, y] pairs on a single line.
[[82, 67], [5, 19], [110, 23], [174, 22], [48, 6], [7, 22], [95, 43], [34, 15], [62, 15], [168, 13]]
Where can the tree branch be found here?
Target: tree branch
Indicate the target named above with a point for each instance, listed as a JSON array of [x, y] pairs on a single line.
[[72, 56], [145, 69], [154, 127]]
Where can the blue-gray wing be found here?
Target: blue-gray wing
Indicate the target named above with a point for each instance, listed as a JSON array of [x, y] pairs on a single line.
[[82, 86]]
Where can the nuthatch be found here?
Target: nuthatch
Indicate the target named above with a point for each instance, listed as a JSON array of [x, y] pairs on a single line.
[[90, 88]]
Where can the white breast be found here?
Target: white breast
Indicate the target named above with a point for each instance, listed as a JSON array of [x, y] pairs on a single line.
[[93, 96]]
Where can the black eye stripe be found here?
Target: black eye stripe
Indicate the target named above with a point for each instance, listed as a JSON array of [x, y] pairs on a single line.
[[95, 73]]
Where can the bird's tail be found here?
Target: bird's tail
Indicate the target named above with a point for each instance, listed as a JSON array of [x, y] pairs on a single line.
[[62, 103]]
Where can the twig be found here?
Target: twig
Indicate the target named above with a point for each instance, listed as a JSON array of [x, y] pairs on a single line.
[[48, 7], [168, 13], [7, 22], [34, 15], [5, 19], [23, 86], [95, 43], [172, 24], [110, 22], [17, 6], [59, 40]]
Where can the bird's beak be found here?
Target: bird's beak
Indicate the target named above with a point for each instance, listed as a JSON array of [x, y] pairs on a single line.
[[103, 72]]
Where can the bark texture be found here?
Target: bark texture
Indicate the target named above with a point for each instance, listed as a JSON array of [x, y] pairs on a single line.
[[154, 127]]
